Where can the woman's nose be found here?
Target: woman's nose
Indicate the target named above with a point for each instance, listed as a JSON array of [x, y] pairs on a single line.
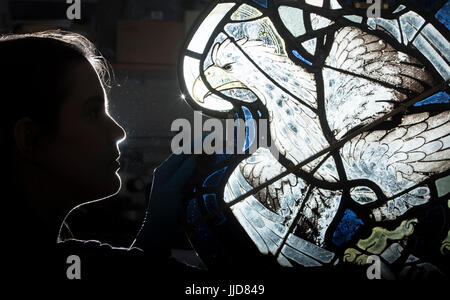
[[118, 133]]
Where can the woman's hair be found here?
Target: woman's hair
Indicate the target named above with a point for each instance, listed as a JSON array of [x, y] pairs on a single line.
[[33, 73]]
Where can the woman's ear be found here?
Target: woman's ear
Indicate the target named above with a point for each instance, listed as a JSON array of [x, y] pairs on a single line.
[[25, 133]]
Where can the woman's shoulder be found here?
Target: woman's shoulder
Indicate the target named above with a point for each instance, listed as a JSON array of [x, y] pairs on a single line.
[[93, 252], [86, 246], [99, 260]]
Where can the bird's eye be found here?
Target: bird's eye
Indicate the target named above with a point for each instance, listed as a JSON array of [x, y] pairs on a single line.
[[228, 67]]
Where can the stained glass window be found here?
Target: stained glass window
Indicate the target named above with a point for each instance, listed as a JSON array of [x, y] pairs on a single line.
[[358, 111]]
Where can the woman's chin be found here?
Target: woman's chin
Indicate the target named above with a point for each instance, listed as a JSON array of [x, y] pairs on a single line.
[[115, 185], [106, 188]]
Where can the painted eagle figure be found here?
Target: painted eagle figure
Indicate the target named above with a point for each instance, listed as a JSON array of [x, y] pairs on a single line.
[[375, 178]]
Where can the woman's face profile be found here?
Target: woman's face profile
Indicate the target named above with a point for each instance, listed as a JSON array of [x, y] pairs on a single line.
[[83, 152]]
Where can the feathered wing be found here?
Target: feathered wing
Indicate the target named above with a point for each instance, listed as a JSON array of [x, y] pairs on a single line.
[[364, 78], [401, 158], [368, 55], [261, 215], [375, 78], [267, 216]]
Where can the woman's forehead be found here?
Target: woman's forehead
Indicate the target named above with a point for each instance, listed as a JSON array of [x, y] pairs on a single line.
[[84, 81]]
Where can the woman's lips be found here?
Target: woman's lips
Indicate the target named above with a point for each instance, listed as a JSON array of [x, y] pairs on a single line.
[[115, 164]]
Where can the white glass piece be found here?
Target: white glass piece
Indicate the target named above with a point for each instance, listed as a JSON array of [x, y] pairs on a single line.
[[207, 27], [400, 205], [439, 42], [292, 18], [410, 22], [260, 225], [191, 70], [239, 94], [318, 22], [245, 12], [216, 103], [283, 261], [443, 185], [363, 195], [390, 25], [252, 233], [354, 18], [318, 3], [335, 5], [371, 23], [392, 253], [433, 56], [299, 257], [308, 248], [399, 8], [260, 32], [327, 171], [208, 59], [253, 224], [417, 196], [310, 45]]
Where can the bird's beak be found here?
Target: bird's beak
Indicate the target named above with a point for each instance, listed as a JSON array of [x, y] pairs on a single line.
[[219, 80]]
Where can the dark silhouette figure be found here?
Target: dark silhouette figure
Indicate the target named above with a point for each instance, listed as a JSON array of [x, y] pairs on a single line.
[[64, 152]]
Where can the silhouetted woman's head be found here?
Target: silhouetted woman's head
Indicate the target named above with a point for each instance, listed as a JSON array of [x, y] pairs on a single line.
[[53, 94]]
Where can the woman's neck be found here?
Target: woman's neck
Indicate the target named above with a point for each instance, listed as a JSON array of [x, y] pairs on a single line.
[[47, 201]]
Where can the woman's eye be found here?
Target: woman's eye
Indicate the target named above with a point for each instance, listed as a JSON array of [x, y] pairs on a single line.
[[228, 67], [96, 112]]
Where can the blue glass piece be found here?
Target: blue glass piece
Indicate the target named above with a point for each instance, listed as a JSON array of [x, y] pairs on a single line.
[[250, 131], [443, 15], [211, 205], [425, 5], [349, 2], [247, 113], [295, 52], [222, 157], [210, 202], [441, 97], [203, 230], [263, 3], [214, 179], [192, 211], [259, 113], [346, 228]]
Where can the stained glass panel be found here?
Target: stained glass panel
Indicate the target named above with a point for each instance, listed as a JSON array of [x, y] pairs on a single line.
[[358, 111]]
